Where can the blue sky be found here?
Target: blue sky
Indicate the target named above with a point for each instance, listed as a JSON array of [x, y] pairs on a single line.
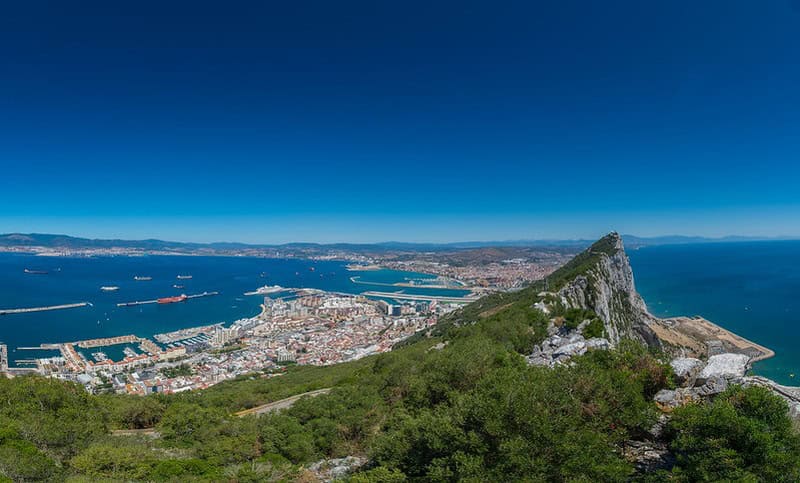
[[413, 121]]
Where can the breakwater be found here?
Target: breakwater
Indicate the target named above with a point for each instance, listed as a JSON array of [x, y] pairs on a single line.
[[45, 308]]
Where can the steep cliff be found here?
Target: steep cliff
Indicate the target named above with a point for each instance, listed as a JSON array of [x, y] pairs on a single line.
[[600, 279]]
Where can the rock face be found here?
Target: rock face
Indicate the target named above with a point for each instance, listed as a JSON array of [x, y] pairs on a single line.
[[726, 366], [607, 288], [563, 345], [686, 368], [334, 469], [648, 456], [714, 377]]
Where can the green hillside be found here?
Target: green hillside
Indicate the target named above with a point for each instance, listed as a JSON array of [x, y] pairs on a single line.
[[504, 305], [458, 405]]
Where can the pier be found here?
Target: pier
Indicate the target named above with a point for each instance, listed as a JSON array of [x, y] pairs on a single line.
[[44, 309], [155, 301], [42, 347]]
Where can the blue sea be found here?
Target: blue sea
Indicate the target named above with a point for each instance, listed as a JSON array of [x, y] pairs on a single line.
[[70, 280], [750, 288]]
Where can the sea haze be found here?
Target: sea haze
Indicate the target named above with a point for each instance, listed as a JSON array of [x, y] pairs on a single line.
[[750, 288], [72, 280]]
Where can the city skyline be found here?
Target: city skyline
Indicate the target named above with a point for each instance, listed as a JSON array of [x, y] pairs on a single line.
[[424, 123]]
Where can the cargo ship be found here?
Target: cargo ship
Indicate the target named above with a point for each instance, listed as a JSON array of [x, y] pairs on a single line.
[[172, 300], [142, 279], [36, 272], [112, 288], [183, 277]]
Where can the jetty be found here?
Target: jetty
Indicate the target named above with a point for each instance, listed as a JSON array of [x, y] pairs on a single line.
[[155, 301], [44, 309], [42, 347]]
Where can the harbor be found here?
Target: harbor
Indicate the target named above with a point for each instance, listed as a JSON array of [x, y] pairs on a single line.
[[81, 278]]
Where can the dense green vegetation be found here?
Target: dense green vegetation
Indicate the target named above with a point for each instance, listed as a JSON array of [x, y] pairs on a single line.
[[460, 406], [743, 435], [181, 370], [472, 410]]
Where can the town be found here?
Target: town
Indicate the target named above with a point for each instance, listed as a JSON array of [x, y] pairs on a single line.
[[295, 326]]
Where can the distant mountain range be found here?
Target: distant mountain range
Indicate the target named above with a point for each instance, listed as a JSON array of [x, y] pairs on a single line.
[[70, 242]]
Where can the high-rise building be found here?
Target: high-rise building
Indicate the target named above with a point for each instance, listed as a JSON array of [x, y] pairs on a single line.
[[224, 336], [3, 358]]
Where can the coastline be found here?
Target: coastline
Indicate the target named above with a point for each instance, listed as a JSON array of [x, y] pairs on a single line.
[[699, 336], [81, 277]]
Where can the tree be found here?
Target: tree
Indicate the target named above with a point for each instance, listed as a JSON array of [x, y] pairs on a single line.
[[744, 434]]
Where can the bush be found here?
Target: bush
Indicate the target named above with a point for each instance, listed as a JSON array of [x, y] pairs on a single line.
[[574, 317], [595, 328], [744, 434]]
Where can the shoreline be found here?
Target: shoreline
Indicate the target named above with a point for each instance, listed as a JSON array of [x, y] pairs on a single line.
[[107, 319], [766, 352], [698, 335]]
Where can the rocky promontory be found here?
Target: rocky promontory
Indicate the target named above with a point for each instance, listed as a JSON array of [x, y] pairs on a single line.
[[705, 357]]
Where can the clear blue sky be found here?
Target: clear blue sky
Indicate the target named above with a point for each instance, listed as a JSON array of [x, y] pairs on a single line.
[[419, 121]]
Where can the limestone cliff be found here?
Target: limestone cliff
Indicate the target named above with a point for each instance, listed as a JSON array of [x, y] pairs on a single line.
[[601, 279], [603, 283]]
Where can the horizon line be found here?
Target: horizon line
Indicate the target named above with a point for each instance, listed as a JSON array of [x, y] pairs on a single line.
[[729, 238]]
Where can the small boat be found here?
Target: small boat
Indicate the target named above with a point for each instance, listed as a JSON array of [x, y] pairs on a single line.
[[183, 277], [142, 279], [109, 288], [177, 286], [36, 272]]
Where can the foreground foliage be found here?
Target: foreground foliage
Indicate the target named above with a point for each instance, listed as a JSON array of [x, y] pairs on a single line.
[[472, 410]]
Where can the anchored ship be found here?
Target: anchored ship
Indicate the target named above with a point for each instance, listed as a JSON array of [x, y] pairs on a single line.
[[36, 272], [266, 289], [172, 300]]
